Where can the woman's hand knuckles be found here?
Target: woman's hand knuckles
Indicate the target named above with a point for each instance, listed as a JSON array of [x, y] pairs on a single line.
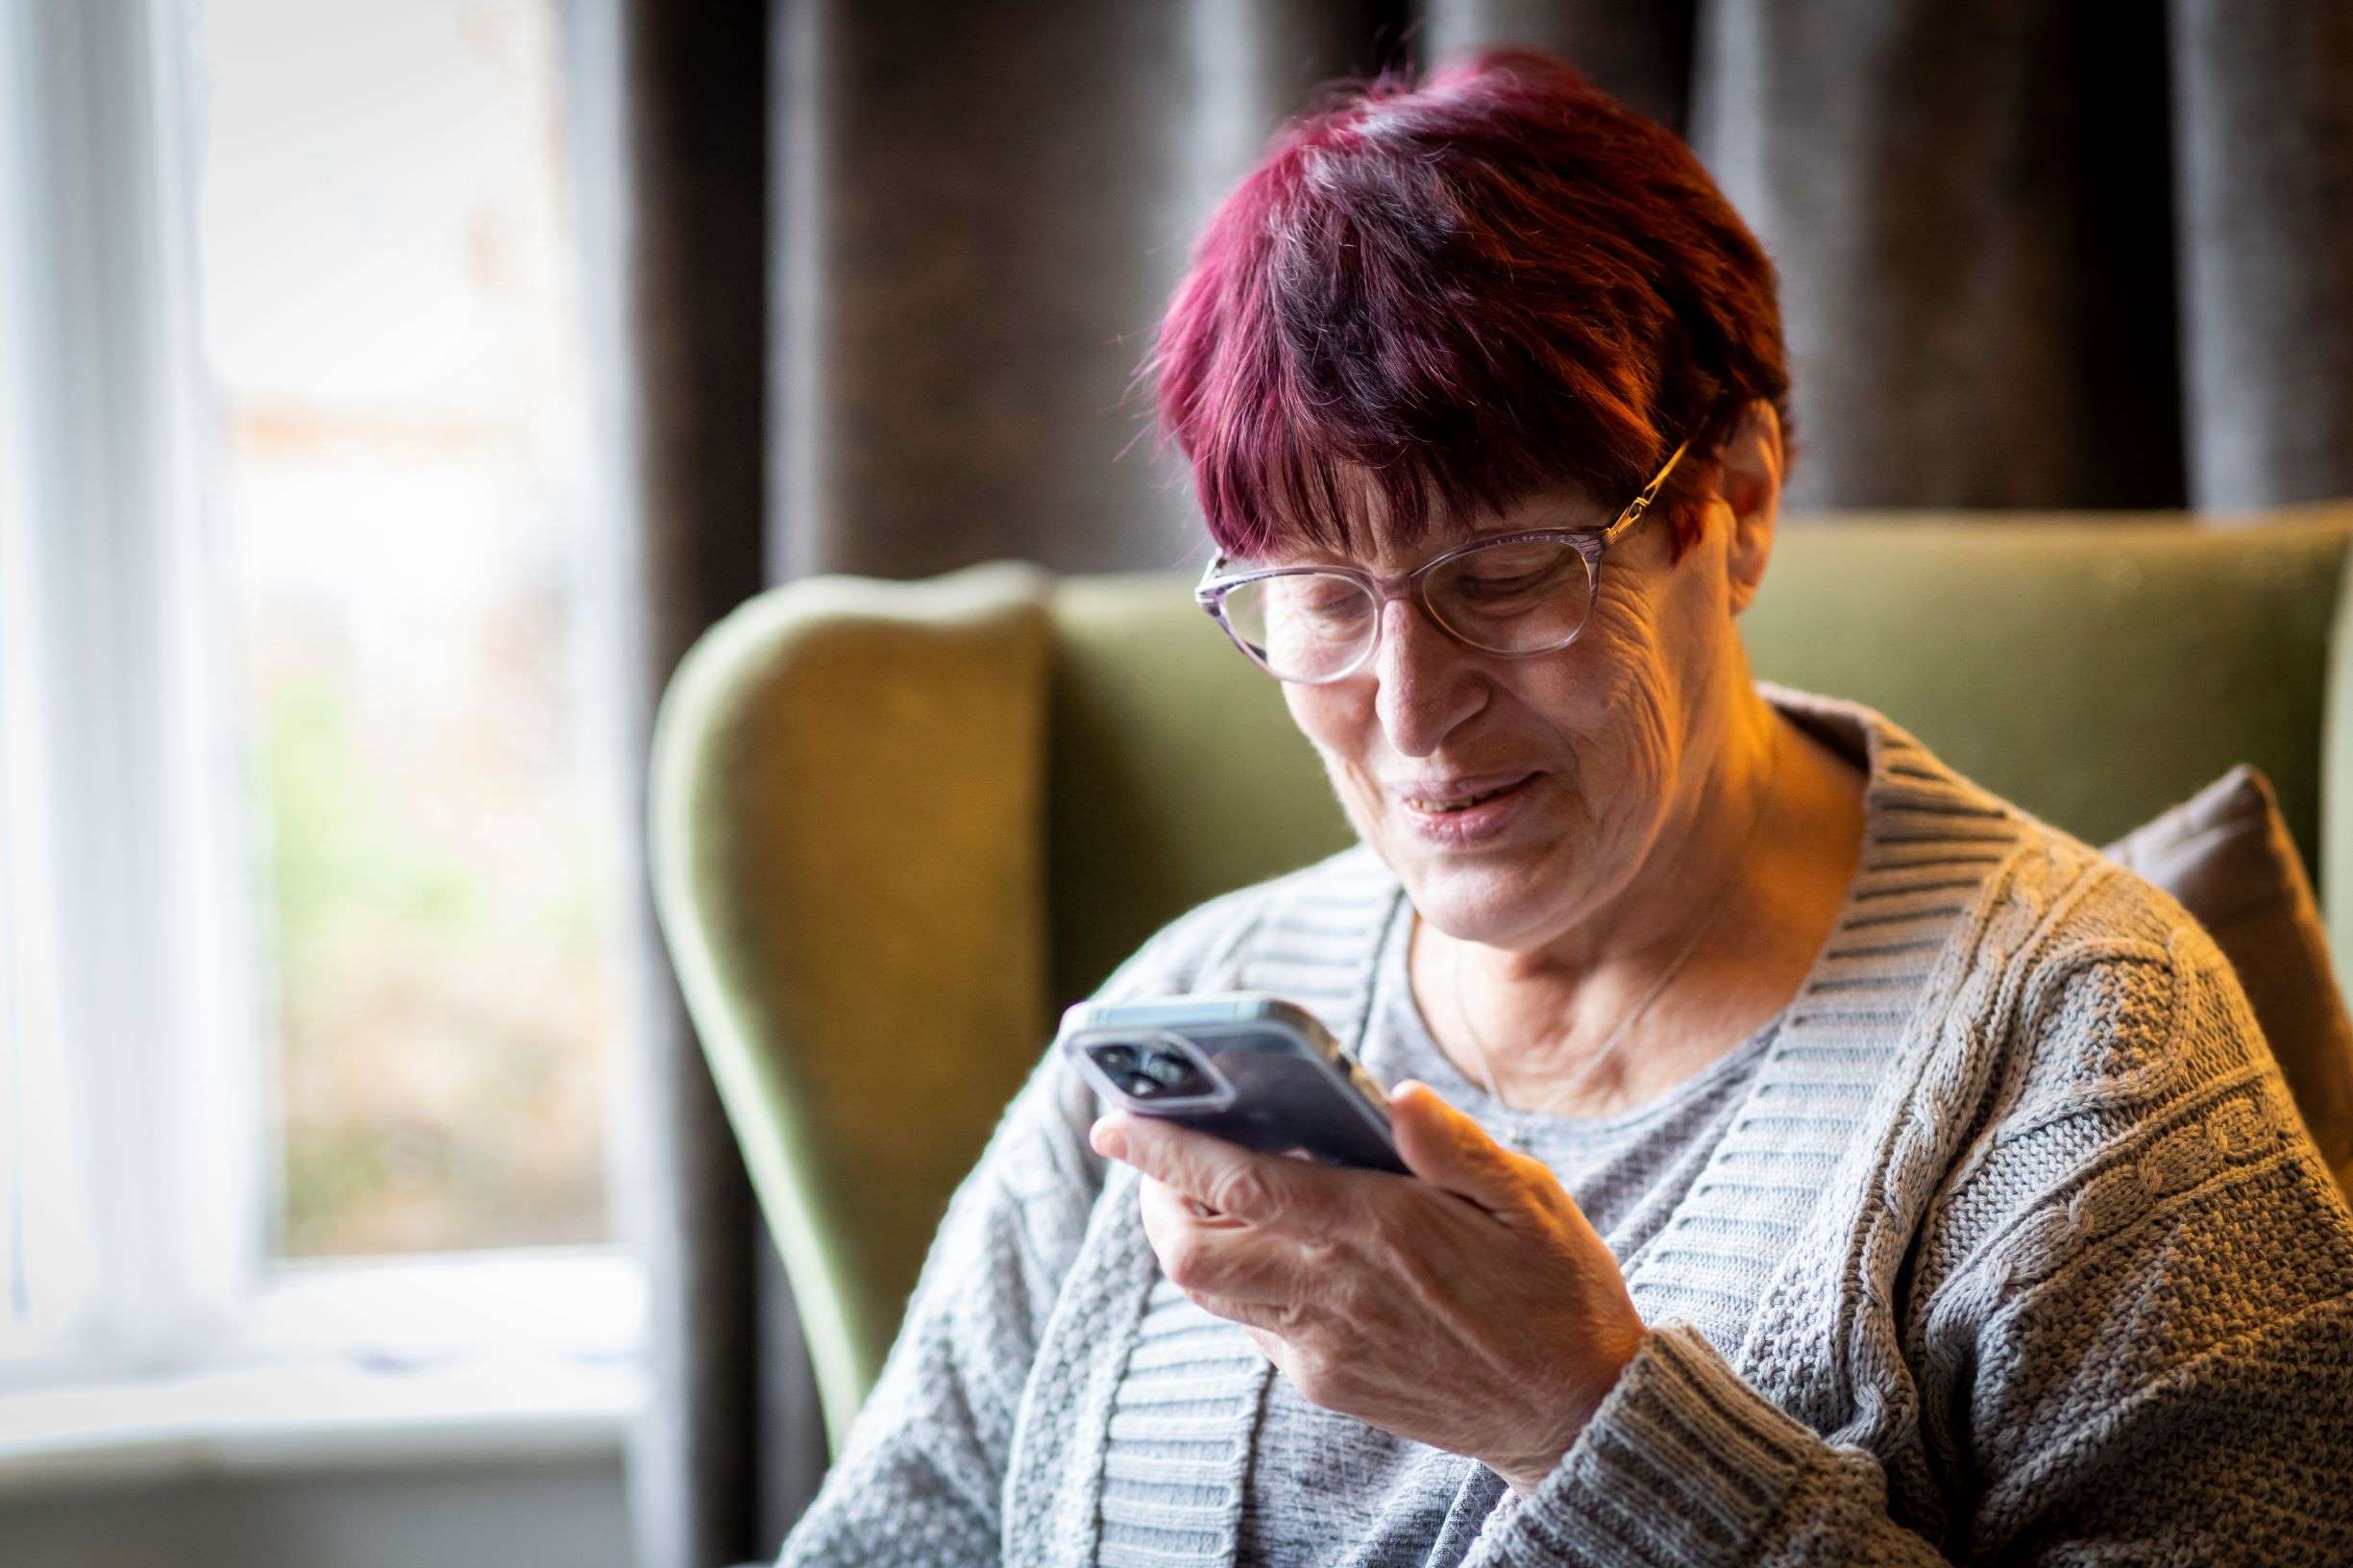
[[1188, 1252], [1241, 1189], [1289, 1319], [1162, 1209], [1191, 1262], [1322, 1377]]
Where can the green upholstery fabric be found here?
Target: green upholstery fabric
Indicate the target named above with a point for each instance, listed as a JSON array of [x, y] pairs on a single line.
[[897, 826], [848, 843]]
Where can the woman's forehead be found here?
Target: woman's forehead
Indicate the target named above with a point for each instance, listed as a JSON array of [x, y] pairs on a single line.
[[1375, 540]]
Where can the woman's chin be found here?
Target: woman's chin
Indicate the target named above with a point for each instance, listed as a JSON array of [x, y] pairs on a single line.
[[1480, 898]]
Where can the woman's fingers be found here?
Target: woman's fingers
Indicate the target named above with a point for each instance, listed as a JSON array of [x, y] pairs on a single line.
[[1454, 1308], [1218, 1254], [1272, 1324], [1268, 1190]]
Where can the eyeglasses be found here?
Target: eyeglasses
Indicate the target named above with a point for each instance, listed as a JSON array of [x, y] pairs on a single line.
[[1513, 594]]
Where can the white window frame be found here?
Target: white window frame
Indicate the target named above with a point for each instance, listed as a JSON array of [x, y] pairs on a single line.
[[116, 707]]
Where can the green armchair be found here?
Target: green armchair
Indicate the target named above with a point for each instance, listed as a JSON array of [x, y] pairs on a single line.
[[897, 826]]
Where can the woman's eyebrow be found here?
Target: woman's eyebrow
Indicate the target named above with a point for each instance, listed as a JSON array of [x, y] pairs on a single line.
[[1556, 516], [1559, 519]]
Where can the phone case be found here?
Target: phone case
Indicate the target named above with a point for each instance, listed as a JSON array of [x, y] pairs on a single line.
[[1267, 1074]]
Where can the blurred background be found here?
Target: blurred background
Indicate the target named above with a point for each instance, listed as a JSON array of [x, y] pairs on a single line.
[[391, 390]]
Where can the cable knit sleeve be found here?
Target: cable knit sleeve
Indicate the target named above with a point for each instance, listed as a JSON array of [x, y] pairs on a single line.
[[2146, 1346], [919, 1479]]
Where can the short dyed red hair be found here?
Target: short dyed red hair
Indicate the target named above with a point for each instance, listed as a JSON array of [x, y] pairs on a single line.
[[1474, 286]]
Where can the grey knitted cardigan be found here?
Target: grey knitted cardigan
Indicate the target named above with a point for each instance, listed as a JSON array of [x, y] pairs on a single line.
[[2042, 1268]]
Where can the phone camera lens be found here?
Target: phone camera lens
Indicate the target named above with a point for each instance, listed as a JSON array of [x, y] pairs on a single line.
[[1167, 1068], [1150, 1069]]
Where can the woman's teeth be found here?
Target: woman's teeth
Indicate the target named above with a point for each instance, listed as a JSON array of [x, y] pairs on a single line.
[[1460, 805]]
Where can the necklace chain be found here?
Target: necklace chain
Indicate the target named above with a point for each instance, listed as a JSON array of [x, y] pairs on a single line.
[[1608, 1048]]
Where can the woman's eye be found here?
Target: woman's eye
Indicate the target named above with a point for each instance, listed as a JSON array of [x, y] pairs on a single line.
[[1332, 598], [1504, 571], [1504, 587]]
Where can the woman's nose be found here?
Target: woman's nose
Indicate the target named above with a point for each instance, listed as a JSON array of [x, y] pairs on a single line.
[[1421, 690]]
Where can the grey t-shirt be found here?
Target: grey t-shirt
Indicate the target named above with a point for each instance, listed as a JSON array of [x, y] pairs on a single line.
[[1326, 1488]]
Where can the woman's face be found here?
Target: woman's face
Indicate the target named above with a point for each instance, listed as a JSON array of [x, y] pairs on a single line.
[[1619, 729]]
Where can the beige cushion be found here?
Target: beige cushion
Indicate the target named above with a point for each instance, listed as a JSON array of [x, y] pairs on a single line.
[[2226, 854]]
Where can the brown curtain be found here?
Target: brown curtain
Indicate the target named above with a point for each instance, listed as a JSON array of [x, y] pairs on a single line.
[[871, 280]]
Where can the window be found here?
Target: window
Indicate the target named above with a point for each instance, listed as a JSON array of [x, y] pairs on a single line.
[[308, 999], [388, 309]]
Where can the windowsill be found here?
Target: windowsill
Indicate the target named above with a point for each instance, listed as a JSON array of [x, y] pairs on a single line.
[[313, 1416], [525, 1357]]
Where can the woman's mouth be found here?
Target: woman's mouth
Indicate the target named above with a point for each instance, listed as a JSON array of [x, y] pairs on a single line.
[[1474, 819], [1419, 804]]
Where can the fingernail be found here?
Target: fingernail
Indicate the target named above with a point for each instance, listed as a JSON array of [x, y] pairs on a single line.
[[1109, 1140]]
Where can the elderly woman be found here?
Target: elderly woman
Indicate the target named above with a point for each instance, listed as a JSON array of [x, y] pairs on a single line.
[[1815, 1159]]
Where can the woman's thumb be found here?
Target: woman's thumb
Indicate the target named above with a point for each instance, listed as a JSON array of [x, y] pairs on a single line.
[[1447, 1150]]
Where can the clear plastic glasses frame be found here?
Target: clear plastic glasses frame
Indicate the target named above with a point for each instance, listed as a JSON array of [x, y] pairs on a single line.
[[1590, 544]]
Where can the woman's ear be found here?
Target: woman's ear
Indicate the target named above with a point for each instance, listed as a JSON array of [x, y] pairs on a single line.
[[1749, 481]]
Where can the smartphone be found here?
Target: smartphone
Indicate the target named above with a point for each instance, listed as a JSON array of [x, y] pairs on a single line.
[[1243, 1065]]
